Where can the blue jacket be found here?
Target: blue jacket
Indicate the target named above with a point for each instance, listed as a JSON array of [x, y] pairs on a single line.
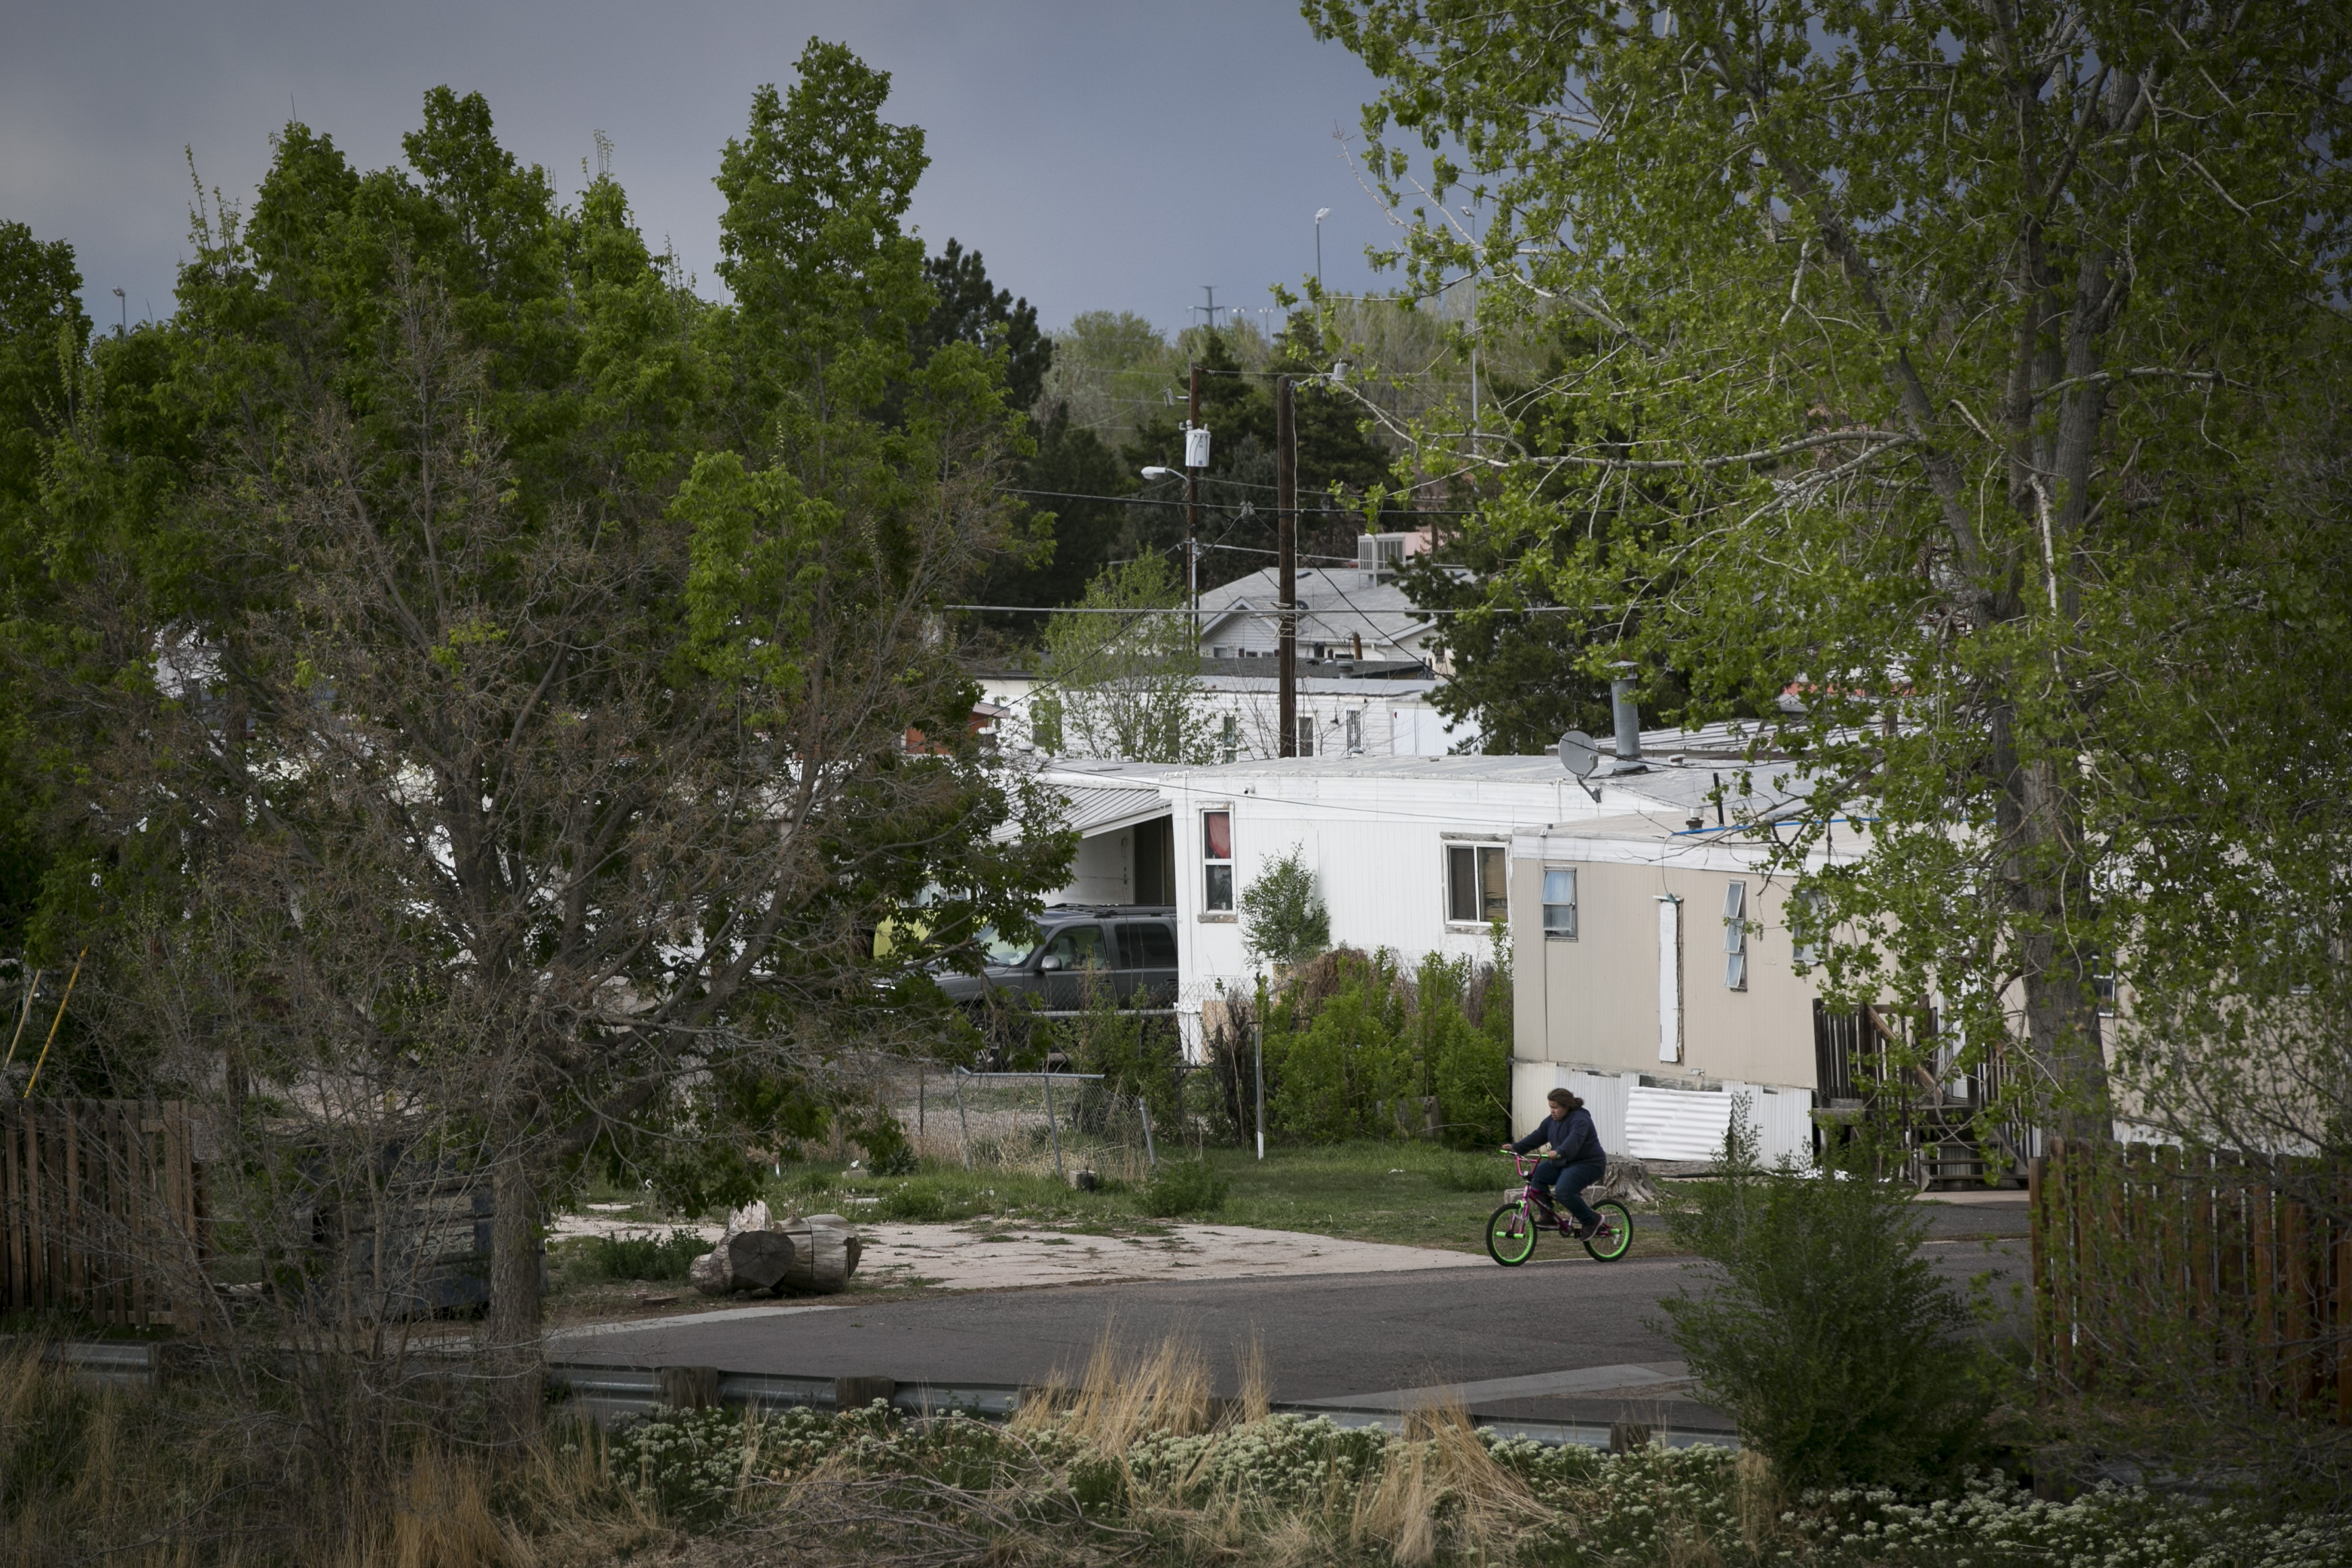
[[1571, 1137]]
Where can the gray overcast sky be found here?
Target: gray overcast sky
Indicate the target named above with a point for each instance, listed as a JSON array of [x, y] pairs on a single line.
[[1100, 155]]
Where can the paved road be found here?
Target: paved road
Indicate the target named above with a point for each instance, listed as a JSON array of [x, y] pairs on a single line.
[[1324, 1338]]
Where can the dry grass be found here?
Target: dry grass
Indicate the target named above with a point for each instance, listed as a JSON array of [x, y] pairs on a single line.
[[133, 1479], [1140, 1458], [1438, 1492]]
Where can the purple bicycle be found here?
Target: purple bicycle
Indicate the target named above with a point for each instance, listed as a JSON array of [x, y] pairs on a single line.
[[1511, 1229]]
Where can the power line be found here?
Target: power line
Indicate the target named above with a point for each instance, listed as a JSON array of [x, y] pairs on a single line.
[[1234, 484], [1275, 612]]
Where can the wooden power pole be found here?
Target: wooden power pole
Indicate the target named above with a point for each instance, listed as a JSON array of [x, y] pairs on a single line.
[[1286, 502], [1194, 455]]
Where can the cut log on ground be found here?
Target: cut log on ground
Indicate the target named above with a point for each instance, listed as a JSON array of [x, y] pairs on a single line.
[[814, 1256]]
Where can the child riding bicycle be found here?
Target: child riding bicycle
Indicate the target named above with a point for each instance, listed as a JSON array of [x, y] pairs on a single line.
[[1576, 1159]]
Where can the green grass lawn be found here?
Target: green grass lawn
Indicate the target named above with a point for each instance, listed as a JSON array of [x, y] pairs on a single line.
[[1411, 1194]]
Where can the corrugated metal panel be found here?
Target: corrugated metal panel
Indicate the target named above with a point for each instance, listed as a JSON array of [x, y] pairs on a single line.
[[1603, 1094], [1783, 1120], [1100, 811], [1093, 808], [1689, 1124], [1675, 1124]]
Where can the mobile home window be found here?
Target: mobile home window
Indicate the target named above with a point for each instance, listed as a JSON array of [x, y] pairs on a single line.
[[1475, 888], [1305, 735], [1805, 933], [1560, 901], [1355, 731], [1735, 937], [1217, 859], [1229, 738]]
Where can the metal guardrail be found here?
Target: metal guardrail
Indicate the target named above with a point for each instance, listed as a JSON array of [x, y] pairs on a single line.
[[608, 1393]]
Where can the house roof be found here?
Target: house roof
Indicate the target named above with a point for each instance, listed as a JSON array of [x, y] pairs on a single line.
[[1335, 604]]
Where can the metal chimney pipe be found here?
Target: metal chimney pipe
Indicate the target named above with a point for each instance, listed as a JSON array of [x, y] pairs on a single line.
[[1628, 714]]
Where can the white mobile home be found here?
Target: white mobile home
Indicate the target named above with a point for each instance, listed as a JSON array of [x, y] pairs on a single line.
[[1410, 853], [1657, 976]]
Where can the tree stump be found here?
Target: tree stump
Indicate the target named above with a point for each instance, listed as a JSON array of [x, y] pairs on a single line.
[[1627, 1180]]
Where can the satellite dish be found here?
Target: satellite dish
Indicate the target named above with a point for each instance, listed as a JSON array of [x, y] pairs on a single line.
[[1578, 753]]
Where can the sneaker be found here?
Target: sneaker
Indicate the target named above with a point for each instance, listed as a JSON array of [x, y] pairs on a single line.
[[1588, 1232]]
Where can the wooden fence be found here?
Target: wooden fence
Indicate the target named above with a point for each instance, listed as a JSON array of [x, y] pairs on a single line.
[[101, 1208], [2159, 1272]]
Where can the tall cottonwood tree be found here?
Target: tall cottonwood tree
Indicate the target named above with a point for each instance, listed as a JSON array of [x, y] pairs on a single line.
[[499, 722], [1965, 370]]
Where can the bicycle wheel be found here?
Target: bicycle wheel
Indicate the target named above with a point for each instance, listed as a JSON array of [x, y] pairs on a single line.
[[1615, 1235], [1510, 1235]]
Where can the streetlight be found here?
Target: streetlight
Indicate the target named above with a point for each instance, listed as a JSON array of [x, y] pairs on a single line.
[[1320, 214], [1196, 457]]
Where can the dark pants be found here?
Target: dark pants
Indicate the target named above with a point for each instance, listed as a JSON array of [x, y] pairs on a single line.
[[1567, 1184]]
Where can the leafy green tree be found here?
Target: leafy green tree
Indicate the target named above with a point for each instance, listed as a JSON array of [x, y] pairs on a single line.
[[1284, 919], [1964, 373], [1126, 686], [43, 337], [1336, 452], [490, 669], [1070, 465], [971, 309]]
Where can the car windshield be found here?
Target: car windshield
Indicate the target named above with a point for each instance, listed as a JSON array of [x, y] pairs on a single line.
[[1000, 951]]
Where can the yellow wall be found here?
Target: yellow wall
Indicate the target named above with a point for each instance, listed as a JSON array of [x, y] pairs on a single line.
[[1593, 1001]]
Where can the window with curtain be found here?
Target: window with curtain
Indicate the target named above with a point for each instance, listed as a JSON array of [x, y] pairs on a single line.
[[1560, 901], [1217, 859]]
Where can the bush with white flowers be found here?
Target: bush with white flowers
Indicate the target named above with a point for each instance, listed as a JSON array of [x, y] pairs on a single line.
[[1591, 1510]]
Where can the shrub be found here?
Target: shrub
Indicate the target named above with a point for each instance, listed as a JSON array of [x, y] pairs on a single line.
[[1355, 1048], [1284, 920], [1469, 1058], [1138, 1056], [649, 1258], [1831, 1342], [915, 1202], [1184, 1187]]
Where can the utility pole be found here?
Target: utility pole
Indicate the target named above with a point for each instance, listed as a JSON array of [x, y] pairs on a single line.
[[1212, 307], [1193, 463], [1286, 502]]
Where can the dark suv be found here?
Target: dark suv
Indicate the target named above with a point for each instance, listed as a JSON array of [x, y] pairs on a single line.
[[1122, 947]]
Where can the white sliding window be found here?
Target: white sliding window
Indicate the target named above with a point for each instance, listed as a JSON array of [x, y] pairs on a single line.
[[1670, 978]]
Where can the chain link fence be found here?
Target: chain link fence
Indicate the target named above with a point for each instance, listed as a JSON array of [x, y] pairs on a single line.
[[1033, 1124]]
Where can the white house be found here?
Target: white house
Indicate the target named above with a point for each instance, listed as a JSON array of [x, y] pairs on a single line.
[[1366, 674], [1355, 613], [1413, 854]]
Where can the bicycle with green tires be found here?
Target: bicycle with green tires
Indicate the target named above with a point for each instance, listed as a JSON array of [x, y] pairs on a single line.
[[1511, 1229]]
